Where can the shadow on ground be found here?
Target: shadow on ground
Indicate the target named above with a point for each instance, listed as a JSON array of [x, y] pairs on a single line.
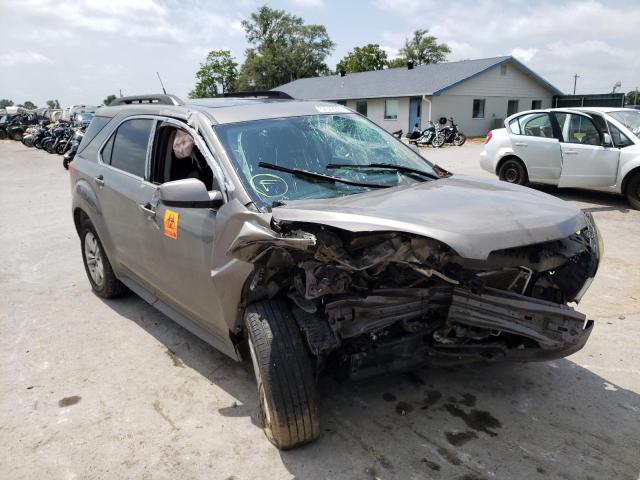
[[602, 201], [544, 420]]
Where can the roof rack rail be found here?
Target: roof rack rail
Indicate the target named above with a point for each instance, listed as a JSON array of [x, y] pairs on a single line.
[[154, 99], [259, 94]]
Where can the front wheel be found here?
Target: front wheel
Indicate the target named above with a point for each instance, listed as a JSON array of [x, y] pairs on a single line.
[[284, 374], [439, 140], [459, 139], [632, 191], [513, 171]]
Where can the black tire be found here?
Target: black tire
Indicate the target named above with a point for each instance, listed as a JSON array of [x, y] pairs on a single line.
[[284, 375], [65, 163], [439, 140], [632, 191], [17, 136], [3, 135], [110, 286], [513, 171], [459, 139], [60, 148]]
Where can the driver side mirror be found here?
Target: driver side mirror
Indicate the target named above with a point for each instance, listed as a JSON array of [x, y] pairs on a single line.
[[606, 140], [189, 193]]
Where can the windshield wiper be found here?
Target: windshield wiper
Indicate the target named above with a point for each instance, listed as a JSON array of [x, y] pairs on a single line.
[[387, 166], [298, 172]]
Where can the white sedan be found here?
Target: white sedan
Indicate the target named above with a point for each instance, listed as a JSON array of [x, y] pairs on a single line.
[[592, 148]]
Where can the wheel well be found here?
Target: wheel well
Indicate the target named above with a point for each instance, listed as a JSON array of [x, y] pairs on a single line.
[[79, 217], [510, 157], [627, 177]]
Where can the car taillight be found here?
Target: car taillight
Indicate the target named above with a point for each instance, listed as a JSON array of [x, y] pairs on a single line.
[[489, 135]]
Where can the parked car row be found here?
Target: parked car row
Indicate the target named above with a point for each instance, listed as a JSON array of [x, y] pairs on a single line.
[[593, 148]]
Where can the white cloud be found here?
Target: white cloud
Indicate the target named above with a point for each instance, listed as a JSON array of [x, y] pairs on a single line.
[[524, 54], [23, 58]]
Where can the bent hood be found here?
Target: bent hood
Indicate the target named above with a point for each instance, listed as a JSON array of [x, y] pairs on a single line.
[[473, 216]]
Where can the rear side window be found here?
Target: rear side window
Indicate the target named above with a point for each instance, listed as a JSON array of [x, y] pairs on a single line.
[[94, 128], [532, 125], [127, 148]]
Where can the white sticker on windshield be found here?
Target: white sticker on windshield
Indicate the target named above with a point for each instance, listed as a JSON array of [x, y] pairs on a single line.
[[332, 109]]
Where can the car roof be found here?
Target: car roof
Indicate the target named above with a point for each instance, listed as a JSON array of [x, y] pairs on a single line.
[[222, 110]]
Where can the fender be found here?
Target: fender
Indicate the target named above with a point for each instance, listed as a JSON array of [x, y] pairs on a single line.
[[85, 198]]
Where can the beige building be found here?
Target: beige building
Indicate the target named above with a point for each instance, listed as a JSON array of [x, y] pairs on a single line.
[[478, 94]]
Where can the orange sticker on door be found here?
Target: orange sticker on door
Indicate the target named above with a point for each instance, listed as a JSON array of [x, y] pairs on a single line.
[[171, 224]]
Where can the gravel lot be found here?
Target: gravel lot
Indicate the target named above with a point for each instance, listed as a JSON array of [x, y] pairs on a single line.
[[94, 389]]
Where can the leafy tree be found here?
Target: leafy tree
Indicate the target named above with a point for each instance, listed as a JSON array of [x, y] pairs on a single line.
[[397, 62], [423, 48], [283, 49], [5, 102], [107, 101], [29, 105], [632, 98], [53, 104], [218, 74], [363, 59]]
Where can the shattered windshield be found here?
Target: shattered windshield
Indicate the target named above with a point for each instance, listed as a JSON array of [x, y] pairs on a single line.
[[629, 118], [274, 157]]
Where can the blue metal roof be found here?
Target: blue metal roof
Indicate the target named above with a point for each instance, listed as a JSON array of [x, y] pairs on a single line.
[[432, 79]]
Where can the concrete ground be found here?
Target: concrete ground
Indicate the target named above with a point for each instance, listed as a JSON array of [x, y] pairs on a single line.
[[93, 389]]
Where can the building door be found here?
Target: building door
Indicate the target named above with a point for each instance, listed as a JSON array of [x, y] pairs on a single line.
[[415, 113]]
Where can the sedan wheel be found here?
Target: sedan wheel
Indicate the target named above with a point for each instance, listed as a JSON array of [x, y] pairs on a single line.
[[512, 171], [96, 264], [632, 191], [93, 257]]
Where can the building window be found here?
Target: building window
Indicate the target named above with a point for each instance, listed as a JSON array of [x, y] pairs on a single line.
[[536, 104], [503, 69], [342, 102], [512, 107], [478, 108], [361, 107], [390, 109]]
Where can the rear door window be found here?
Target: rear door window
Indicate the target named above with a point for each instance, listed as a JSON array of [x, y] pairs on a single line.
[[94, 128], [127, 148], [532, 125]]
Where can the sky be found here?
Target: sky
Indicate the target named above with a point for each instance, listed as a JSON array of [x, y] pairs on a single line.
[[80, 51]]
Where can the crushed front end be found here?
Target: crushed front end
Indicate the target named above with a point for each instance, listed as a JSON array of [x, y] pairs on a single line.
[[369, 303]]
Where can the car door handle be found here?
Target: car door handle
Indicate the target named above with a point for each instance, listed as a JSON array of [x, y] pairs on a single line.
[[521, 144], [569, 152], [99, 180], [147, 210]]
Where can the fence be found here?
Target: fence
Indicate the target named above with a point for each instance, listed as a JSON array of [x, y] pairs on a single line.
[[596, 100]]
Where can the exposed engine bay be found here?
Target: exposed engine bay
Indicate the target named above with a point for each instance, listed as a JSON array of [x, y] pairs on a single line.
[[372, 302]]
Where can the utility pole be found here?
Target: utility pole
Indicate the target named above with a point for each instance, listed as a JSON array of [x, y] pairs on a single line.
[[575, 81], [120, 93]]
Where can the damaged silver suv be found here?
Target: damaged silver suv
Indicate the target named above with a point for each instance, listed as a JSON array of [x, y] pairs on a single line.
[[303, 236]]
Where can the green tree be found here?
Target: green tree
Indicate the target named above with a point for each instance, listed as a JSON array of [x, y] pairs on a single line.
[[632, 98], [218, 74], [423, 48], [5, 102], [29, 105], [107, 101], [53, 104], [397, 62], [363, 59], [283, 49]]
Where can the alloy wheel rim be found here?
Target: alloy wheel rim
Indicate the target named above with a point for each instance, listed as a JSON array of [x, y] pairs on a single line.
[[264, 410], [93, 256]]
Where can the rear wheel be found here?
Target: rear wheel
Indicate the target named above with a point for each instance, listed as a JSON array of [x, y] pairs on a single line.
[[632, 191], [17, 136], [459, 139], [513, 171], [101, 277], [284, 374]]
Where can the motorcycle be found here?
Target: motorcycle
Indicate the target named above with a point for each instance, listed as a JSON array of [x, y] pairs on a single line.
[[425, 137], [449, 134], [73, 147], [59, 134], [397, 134]]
